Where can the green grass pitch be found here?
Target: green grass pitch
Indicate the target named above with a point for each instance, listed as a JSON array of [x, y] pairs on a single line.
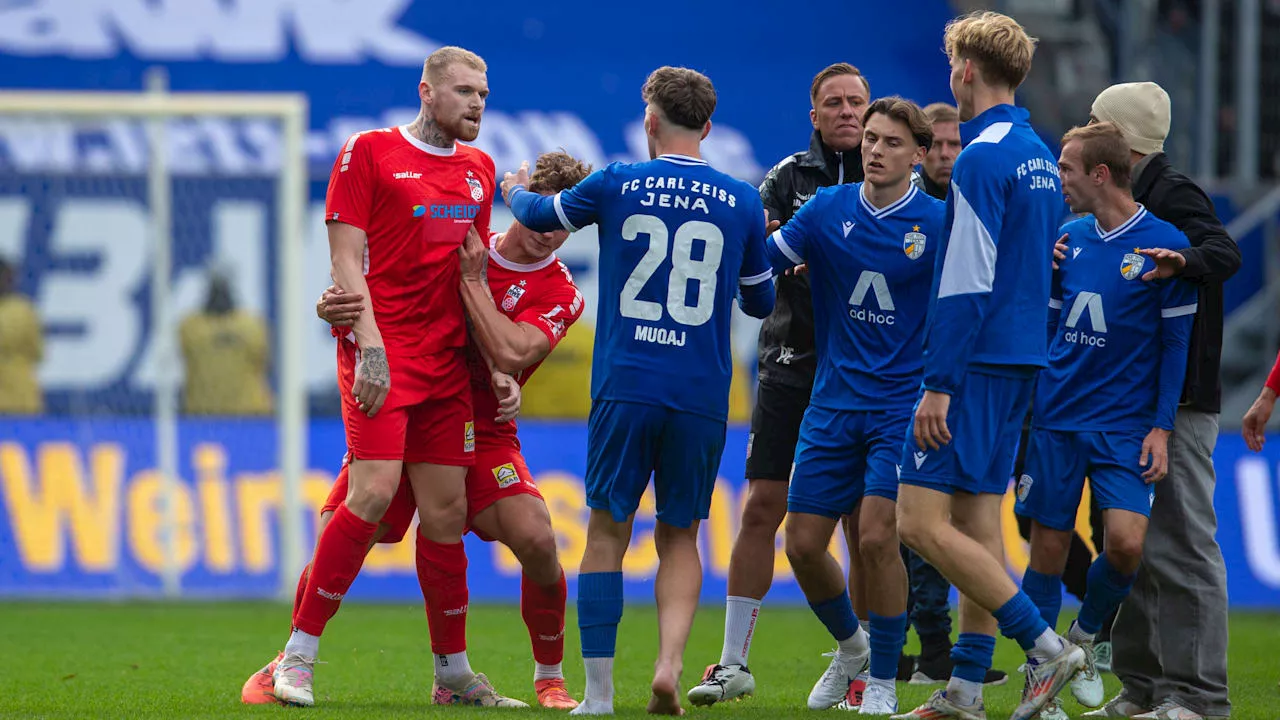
[[158, 660]]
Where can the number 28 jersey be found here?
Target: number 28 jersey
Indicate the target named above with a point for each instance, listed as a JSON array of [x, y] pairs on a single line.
[[676, 239]]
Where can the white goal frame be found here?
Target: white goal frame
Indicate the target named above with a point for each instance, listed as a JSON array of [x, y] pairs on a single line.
[[156, 105]]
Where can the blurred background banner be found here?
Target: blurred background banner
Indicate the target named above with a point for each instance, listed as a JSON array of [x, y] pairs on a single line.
[[80, 516]]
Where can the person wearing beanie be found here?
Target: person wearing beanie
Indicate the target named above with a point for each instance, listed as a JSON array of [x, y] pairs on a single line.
[[1169, 641]]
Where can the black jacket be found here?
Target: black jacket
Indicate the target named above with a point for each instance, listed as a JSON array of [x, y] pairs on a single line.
[[1212, 258], [786, 338], [926, 183]]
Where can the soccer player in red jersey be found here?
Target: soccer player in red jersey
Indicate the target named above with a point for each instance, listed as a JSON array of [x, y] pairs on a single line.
[[520, 274], [399, 205]]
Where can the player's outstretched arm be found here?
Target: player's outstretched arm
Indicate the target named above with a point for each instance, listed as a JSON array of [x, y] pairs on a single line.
[[510, 346], [346, 259], [570, 209]]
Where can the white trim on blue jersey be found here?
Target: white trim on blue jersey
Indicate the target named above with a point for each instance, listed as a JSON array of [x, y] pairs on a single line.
[[564, 219], [970, 263], [786, 249], [891, 208], [1117, 231]]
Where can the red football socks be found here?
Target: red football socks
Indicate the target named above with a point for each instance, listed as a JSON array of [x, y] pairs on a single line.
[[442, 574], [338, 559], [542, 608], [302, 588]]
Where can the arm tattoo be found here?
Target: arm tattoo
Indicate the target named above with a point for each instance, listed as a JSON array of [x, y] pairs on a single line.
[[428, 131], [373, 366]]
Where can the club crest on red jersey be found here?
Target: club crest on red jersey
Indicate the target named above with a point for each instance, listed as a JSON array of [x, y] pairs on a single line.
[[477, 190], [514, 293]]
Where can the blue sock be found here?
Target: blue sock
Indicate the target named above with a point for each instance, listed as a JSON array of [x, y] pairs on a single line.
[[1106, 590], [1046, 592], [971, 656], [837, 615], [599, 612], [1020, 619], [888, 635]]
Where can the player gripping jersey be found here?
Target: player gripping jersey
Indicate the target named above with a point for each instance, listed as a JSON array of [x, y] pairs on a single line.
[[400, 202], [524, 283], [415, 203], [1105, 406], [678, 240]]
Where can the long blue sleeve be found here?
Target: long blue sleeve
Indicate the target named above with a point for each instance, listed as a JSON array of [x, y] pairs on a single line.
[[966, 275], [534, 211], [757, 299], [1177, 315], [570, 209], [1055, 305]]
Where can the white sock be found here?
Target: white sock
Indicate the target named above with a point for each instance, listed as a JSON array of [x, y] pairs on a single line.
[[1048, 645], [739, 627], [303, 644], [453, 670], [1078, 636], [548, 672], [890, 686], [858, 643], [599, 680], [965, 693]]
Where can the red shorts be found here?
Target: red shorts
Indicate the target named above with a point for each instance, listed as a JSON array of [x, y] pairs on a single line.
[[399, 515], [427, 416], [499, 472]]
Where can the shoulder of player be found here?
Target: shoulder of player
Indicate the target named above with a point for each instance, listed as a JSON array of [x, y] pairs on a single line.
[[477, 156], [1077, 228], [1160, 233], [929, 208]]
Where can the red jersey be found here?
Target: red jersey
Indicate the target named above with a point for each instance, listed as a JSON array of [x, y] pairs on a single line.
[[541, 294], [415, 203]]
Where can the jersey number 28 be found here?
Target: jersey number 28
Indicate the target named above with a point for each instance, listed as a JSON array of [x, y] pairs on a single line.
[[683, 269]]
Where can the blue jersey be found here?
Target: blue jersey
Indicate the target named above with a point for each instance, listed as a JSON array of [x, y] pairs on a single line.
[[995, 256], [1118, 353], [870, 271], [677, 238]]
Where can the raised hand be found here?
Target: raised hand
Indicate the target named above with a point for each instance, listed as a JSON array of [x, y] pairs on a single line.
[[510, 180]]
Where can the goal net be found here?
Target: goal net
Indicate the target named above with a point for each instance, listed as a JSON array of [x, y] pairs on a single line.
[[153, 409]]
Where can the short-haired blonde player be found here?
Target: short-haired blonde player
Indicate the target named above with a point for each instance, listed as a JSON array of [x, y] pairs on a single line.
[[984, 344]]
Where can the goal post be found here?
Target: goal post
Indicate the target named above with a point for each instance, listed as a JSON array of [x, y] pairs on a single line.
[[155, 108]]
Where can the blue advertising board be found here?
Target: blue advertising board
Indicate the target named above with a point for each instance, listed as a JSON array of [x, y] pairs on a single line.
[[80, 515]]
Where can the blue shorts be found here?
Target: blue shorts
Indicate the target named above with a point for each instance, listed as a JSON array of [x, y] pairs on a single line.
[[843, 456], [1057, 463], [628, 442], [985, 420]]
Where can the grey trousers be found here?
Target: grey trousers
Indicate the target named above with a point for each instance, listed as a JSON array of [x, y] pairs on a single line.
[[1170, 638]]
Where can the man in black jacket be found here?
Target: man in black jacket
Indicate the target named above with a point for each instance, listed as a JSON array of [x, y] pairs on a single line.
[[839, 96], [1169, 642]]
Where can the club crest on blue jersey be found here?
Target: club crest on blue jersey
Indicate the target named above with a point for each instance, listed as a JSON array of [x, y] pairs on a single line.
[[913, 243], [514, 293], [477, 190], [1131, 265]]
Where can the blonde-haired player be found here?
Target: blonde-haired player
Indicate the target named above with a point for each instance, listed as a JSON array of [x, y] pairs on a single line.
[[984, 344]]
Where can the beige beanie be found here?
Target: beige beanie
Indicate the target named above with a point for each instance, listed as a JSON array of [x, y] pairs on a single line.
[[1140, 110]]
